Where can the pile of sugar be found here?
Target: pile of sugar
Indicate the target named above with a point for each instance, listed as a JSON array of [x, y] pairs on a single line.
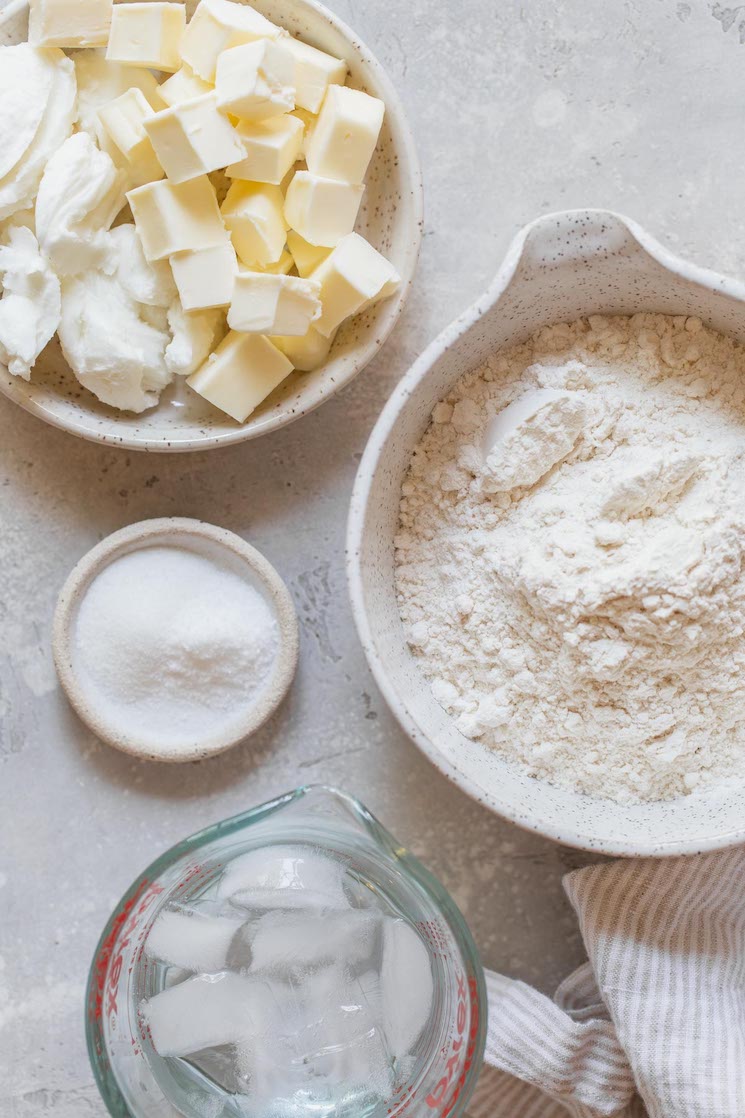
[[172, 646], [576, 599]]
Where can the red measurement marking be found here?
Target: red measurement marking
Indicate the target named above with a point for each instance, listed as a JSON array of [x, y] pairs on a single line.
[[459, 1063], [110, 959]]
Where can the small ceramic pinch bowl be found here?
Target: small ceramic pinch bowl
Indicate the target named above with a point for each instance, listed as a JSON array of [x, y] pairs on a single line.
[[390, 218], [560, 268], [231, 553]]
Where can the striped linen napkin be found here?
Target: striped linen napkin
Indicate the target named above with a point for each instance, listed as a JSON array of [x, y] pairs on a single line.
[[653, 1024]]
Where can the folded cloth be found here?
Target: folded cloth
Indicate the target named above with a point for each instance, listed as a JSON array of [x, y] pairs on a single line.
[[653, 1024]]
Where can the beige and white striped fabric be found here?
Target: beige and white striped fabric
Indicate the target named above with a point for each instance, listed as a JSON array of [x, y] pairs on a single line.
[[653, 1025]]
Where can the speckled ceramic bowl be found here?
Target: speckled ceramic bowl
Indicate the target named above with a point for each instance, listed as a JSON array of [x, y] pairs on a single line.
[[390, 218], [559, 268], [229, 552]]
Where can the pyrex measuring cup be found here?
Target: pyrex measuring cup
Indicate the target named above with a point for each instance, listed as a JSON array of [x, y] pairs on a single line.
[[136, 1083]]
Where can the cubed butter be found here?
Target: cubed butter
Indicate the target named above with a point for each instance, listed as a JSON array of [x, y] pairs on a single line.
[[193, 138], [123, 120], [255, 81], [321, 210], [69, 23], [273, 304], [148, 34], [282, 267], [184, 85], [254, 214], [308, 120], [308, 352], [243, 371], [205, 276], [272, 146], [173, 217], [218, 25], [352, 277], [307, 257], [345, 135], [315, 71]]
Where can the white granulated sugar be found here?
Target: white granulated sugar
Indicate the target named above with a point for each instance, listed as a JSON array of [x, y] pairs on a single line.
[[172, 646], [575, 592]]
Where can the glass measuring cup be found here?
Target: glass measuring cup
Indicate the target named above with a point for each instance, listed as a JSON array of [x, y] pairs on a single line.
[[136, 1083]]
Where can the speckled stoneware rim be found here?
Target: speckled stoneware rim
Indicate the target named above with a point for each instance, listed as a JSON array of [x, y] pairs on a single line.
[[655, 829], [202, 539], [359, 340]]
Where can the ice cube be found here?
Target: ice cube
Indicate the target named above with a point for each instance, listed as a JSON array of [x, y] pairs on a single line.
[[191, 940], [406, 986], [341, 1041], [286, 876], [204, 1012], [282, 940]]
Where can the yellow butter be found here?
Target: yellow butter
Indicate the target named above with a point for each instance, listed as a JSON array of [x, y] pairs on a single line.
[[308, 352], [345, 135], [123, 121], [256, 80], [281, 267], [205, 276], [69, 23], [315, 71], [273, 304], [353, 276], [147, 34], [307, 257], [193, 138], [272, 146], [184, 85], [218, 25], [243, 371], [173, 217], [321, 210], [254, 214]]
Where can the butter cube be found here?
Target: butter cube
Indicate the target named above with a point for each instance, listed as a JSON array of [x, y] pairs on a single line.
[[308, 352], [308, 120], [147, 34], [255, 81], [69, 23], [205, 276], [315, 71], [352, 277], [123, 120], [193, 138], [184, 85], [307, 257], [242, 372], [282, 267], [254, 214], [322, 210], [345, 136], [171, 217], [273, 304], [272, 146], [218, 25]]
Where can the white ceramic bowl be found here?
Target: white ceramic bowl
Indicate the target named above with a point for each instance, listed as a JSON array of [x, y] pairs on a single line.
[[390, 218], [213, 543], [559, 268]]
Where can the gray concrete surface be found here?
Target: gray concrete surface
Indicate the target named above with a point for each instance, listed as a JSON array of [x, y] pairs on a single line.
[[519, 109]]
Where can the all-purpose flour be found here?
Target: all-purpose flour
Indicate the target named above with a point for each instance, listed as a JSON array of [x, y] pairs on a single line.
[[575, 594]]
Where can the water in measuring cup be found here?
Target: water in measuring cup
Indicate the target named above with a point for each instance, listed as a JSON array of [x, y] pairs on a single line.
[[288, 988]]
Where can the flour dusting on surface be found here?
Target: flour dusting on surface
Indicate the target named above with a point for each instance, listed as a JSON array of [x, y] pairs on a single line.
[[573, 587]]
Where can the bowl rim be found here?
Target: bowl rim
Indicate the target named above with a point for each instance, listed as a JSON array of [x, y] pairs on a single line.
[[21, 392], [166, 531], [566, 834]]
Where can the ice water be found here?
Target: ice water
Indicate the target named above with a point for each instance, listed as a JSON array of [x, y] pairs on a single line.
[[290, 986]]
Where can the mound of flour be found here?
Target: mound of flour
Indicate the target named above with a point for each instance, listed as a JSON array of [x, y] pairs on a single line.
[[575, 594]]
